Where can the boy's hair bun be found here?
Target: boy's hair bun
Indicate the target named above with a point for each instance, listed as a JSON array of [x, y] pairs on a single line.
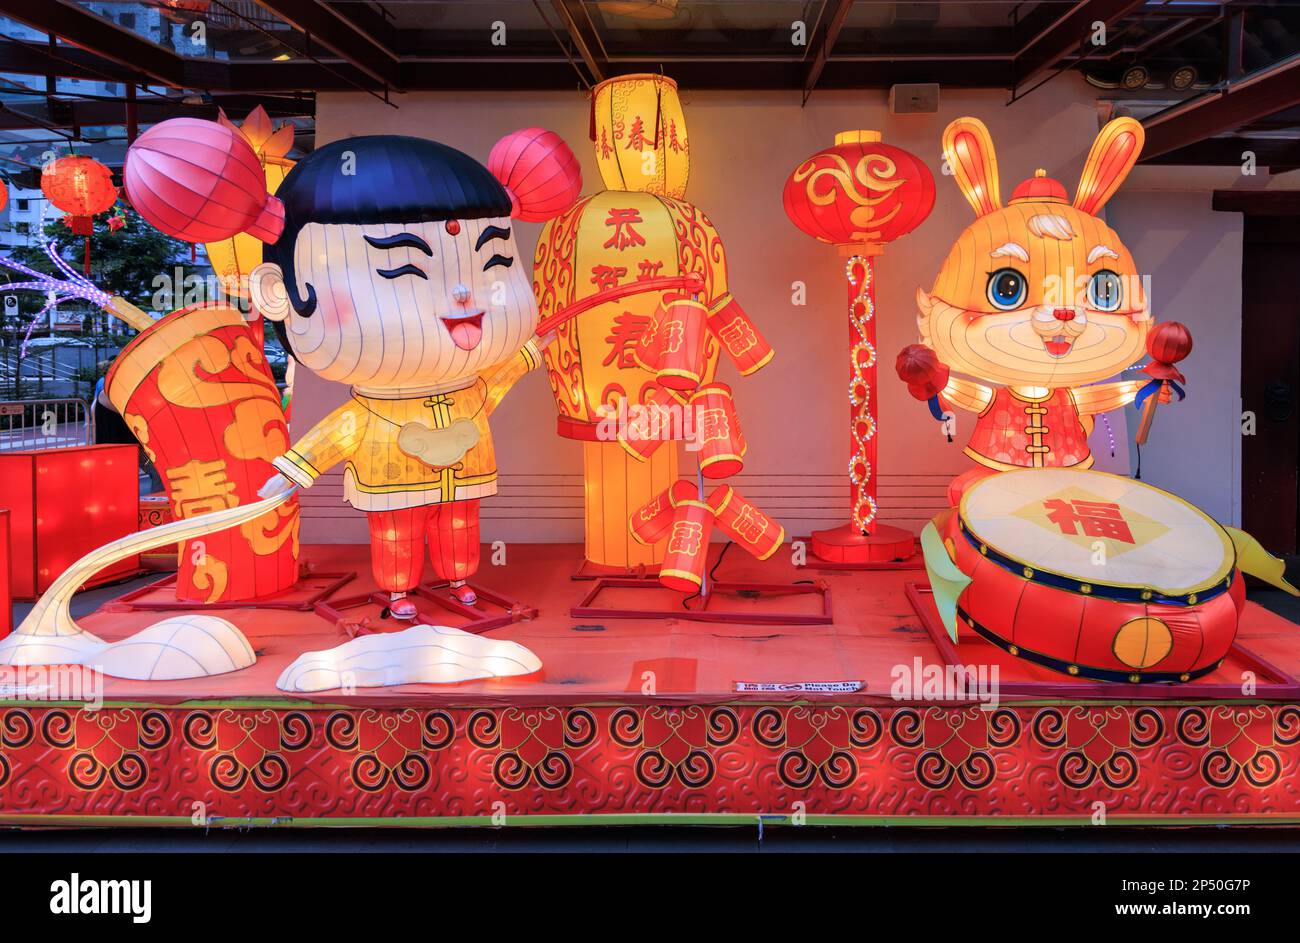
[[539, 172]]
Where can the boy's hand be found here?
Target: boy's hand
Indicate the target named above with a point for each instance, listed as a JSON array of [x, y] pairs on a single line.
[[545, 340], [275, 486]]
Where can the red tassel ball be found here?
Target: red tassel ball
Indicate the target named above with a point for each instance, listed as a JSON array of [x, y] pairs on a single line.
[[539, 172], [1169, 342]]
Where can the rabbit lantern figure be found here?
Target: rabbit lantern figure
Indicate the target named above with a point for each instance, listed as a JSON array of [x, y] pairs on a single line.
[[1037, 303]]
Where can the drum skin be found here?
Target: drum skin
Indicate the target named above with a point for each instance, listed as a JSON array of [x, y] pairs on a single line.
[[1085, 635]]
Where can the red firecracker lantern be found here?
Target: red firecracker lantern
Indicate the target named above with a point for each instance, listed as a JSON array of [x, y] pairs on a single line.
[[859, 195], [200, 181], [539, 172], [82, 188]]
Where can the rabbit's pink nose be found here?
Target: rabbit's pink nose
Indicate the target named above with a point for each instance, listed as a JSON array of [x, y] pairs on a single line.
[[1063, 314]]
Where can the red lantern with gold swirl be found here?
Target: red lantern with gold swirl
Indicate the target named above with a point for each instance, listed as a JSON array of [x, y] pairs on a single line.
[[859, 195]]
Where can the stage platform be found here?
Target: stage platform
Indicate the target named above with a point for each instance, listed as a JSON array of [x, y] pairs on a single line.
[[850, 721]]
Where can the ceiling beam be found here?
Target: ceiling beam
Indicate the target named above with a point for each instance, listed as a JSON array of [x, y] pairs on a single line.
[[1258, 202], [1235, 105], [79, 114], [370, 21], [824, 42], [1067, 34], [1277, 154], [340, 36], [99, 36], [573, 15]]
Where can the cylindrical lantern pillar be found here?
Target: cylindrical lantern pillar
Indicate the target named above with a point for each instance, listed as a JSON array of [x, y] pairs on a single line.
[[859, 195], [859, 276], [613, 481]]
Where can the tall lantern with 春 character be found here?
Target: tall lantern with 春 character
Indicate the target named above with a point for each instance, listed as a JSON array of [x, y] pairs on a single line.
[[859, 195], [613, 244]]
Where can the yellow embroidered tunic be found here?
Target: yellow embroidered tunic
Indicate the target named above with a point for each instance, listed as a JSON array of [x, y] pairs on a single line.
[[435, 426]]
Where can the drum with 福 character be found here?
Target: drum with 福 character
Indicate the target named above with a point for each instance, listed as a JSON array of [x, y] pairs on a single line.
[[1091, 574]]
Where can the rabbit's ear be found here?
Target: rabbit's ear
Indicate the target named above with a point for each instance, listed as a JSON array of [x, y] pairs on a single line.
[[968, 151], [1112, 156]]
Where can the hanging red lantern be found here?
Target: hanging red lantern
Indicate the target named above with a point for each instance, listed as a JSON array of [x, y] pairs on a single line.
[[859, 195], [81, 187], [539, 172], [200, 181], [4, 196]]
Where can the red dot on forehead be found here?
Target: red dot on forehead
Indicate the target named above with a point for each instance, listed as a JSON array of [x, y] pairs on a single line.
[[453, 227]]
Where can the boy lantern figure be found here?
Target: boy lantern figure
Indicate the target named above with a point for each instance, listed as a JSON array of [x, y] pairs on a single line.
[[397, 275], [1040, 300]]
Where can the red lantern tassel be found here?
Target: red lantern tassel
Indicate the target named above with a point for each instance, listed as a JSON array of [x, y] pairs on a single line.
[[85, 264]]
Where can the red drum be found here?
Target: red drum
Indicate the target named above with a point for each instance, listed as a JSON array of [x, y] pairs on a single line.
[[1095, 575], [742, 521], [717, 435], [688, 546], [740, 338]]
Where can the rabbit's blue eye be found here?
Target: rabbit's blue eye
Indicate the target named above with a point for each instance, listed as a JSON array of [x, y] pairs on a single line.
[[1105, 291], [1006, 289]]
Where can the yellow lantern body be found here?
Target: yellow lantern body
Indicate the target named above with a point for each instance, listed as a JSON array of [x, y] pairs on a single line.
[[232, 259], [641, 141], [611, 239]]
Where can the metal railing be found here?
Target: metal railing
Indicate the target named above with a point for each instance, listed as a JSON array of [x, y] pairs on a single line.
[[45, 424]]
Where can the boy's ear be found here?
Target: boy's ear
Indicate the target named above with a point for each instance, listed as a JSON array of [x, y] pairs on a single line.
[[968, 151], [1112, 156], [266, 287]]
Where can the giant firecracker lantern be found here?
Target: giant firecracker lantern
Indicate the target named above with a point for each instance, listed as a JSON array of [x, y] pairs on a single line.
[[196, 390], [637, 231], [859, 195]]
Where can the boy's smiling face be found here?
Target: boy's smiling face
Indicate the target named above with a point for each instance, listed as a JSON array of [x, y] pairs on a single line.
[[410, 304]]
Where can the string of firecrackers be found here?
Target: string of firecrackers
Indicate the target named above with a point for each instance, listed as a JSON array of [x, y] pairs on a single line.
[[673, 345], [862, 309]]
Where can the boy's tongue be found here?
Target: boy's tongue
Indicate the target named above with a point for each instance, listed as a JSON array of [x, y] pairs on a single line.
[[466, 331]]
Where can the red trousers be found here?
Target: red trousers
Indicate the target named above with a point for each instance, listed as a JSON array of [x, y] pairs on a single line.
[[397, 543]]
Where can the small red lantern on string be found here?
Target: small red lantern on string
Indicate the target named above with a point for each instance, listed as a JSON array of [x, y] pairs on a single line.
[[539, 172], [859, 195], [82, 188], [1167, 343], [200, 181]]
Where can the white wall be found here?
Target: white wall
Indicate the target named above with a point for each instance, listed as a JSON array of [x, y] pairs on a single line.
[[1193, 256], [794, 411]]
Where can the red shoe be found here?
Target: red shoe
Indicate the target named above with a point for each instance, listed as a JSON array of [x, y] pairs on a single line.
[[401, 607], [463, 593]]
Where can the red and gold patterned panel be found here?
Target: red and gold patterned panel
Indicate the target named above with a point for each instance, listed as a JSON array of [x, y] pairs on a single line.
[[1225, 762]]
